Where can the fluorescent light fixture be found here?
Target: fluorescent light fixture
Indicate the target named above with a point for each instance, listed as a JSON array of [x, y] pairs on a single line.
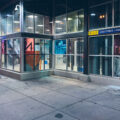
[[40, 25], [57, 21], [59, 28], [8, 15], [81, 16], [93, 14], [69, 18], [30, 16], [51, 22], [30, 27], [17, 22]]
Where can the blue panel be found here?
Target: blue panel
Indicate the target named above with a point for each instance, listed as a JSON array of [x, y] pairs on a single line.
[[60, 46]]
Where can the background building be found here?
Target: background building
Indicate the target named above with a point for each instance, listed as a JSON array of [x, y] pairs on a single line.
[[44, 37]]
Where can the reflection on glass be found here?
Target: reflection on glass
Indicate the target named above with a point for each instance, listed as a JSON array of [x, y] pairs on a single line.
[[60, 62], [3, 61], [80, 20], [39, 46], [72, 22], [100, 16], [16, 46], [17, 63], [9, 24], [47, 25], [39, 62], [48, 46], [39, 25], [10, 61], [117, 45], [16, 21], [75, 63], [10, 46], [60, 46], [117, 66], [3, 26], [48, 61], [29, 63], [60, 24], [100, 65], [100, 45], [29, 45]]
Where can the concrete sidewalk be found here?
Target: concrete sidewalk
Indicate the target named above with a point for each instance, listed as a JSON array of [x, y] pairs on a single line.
[[58, 98]]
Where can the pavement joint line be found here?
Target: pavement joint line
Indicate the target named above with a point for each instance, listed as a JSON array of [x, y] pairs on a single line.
[[31, 98], [82, 100], [103, 105]]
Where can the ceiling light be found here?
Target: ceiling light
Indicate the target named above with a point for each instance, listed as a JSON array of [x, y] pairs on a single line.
[[69, 18], [30, 16], [81, 16], [93, 14], [59, 28], [40, 25], [57, 21], [16, 22], [30, 27]]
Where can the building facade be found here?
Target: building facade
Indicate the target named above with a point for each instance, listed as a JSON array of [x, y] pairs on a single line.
[[67, 38]]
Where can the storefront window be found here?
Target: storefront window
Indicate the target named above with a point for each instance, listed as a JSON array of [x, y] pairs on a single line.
[[48, 46], [100, 45], [60, 62], [39, 46], [100, 16], [100, 65], [60, 46], [38, 54], [48, 62], [60, 24], [117, 45], [75, 50]]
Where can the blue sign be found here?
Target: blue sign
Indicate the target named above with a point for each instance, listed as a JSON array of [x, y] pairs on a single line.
[[109, 31]]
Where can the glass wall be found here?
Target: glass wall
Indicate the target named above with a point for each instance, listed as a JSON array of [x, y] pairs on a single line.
[[75, 21], [72, 22], [11, 54], [10, 20], [69, 54], [36, 23], [117, 55], [75, 54], [37, 54], [60, 54], [60, 24], [100, 16], [100, 55]]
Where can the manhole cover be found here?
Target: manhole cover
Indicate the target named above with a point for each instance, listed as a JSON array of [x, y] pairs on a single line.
[[59, 115]]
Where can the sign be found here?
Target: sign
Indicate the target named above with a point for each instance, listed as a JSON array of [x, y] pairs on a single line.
[[95, 32], [104, 31]]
